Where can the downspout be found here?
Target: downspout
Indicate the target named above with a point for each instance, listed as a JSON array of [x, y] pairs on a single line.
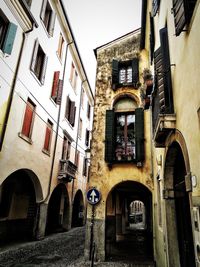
[[14, 81], [57, 129], [76, 147]]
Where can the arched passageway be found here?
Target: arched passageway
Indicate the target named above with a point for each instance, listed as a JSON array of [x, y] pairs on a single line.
[[18, 207], [129, 222], [58, 215], [178, 215], [78, 210]]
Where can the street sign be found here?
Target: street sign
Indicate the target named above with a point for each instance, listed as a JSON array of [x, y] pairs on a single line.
[[93, 196]]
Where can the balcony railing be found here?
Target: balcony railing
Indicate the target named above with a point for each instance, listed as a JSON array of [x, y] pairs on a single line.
[[67, 170]]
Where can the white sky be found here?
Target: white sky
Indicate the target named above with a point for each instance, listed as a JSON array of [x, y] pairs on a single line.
[[97, 22]]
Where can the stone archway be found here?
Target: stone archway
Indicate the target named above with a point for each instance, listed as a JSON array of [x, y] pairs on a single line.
[[124, 242], [177, 206], [78, 210], [58, 214], [18, 206]]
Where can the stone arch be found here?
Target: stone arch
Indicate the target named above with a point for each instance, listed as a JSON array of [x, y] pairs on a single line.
[[122, 241], [78, 209], [178, 202], [20, 192], [122, 95], [58, 213]]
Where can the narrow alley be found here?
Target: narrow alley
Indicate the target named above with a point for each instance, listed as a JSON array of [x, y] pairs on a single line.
[[62, 249]]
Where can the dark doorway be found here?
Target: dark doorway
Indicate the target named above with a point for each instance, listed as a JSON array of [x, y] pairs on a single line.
[[182, 208], [78, 210], [129, 231], [58, 211], [17, 208]]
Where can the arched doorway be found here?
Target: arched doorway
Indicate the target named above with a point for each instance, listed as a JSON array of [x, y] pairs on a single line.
[[178, 216], [18, 207], [125, 239], [78, 210], [58, 215]]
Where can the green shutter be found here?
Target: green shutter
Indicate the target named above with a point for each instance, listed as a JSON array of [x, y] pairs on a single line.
[[9, 38], [115, 74], [135, 71], [109, 136], [139, 135]]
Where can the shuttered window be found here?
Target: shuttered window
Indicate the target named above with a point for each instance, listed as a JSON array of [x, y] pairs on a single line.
[[48, 136], [124, 136], [125, 73], [73, 76], [60, 47], [87, 137], [84, 166], [88, 110], [183, 10], [152, 38], [55, 85], [48, 17], [70, 111], [39, 62], [28, 119], [7, 34]]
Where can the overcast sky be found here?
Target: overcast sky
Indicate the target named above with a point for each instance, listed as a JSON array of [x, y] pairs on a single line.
[[97, 22]]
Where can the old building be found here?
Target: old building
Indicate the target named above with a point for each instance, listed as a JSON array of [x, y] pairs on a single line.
[[121, 153], [45, 121], [170, 34]]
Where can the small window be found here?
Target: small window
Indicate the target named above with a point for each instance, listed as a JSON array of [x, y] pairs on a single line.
[[125, 73], [7, 34], [80, 128], [48, 136], [66, 148], [28, 119], [87, 137], [70, 111], [88, 110], [55, 84], [85, 167], [73, 76], [60, 46], [48, 17], [39, 62]]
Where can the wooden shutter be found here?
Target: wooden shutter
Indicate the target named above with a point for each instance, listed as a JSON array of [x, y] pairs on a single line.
[[34, 56], [135, 71], [183, 10], [52, 23], [47, 137], [9, 38], [109, 136], [55, 84], [87, 137], [152, 38], [72, 113], [59, 92], [44, 68], [167, 71], [43, 9], [139, 134], [28, 118], [155, 6], [115, 74]]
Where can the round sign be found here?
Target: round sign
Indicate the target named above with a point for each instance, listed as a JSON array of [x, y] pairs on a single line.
[[93, 196]]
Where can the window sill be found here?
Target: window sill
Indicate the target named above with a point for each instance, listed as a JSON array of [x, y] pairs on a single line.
[[46, 152], [25, 138]]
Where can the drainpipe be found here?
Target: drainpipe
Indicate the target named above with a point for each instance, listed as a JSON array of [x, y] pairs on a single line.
[[14, 81], [57, 129], [76, 147]]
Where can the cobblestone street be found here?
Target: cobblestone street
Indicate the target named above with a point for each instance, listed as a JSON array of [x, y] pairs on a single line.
[[63, 249]]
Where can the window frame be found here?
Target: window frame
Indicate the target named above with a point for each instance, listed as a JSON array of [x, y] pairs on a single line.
[[47, 16], [61, 44], [73, 76]]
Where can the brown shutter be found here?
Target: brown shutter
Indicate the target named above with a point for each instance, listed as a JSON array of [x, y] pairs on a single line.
[[34, 56], [55, 84], [47, 138], [59, 92], [28, 117]]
